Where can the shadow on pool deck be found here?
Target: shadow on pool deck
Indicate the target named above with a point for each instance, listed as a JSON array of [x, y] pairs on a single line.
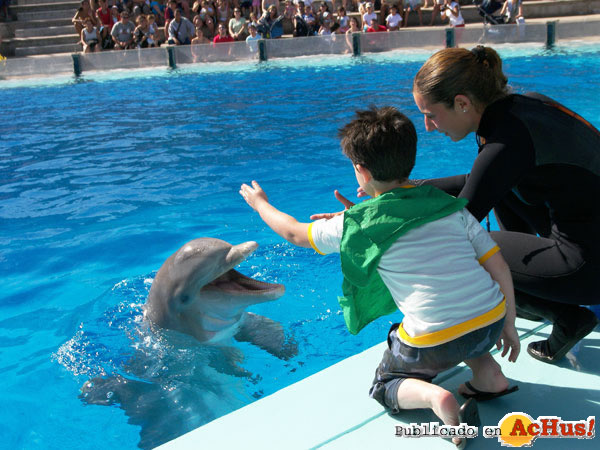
[[331, 409]]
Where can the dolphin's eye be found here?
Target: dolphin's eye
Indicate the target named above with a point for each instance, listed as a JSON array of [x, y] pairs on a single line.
[[184, 299]]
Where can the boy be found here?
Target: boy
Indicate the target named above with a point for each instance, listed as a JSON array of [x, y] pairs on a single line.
[[419, 250]]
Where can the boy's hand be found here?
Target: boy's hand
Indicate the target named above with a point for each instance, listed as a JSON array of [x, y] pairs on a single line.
[[254, 195], [343, 200], [509, 338]]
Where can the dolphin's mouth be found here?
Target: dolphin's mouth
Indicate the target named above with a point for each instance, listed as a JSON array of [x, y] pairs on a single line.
[[233, 282]]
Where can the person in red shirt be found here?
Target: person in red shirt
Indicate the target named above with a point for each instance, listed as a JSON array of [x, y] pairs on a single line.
[[223, 35], [106, 22], [375, 27]]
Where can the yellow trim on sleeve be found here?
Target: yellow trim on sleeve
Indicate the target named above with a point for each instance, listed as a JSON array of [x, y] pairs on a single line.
[[495, 249], [310, 239], [455, 331]]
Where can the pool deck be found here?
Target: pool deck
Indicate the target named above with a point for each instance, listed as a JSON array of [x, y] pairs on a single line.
[[331, 409]]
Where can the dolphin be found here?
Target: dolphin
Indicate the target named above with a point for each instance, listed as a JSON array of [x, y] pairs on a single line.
[[198, 292]]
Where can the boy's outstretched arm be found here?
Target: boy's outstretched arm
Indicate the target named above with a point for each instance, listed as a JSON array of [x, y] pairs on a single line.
[[498, 269], [281, 223]]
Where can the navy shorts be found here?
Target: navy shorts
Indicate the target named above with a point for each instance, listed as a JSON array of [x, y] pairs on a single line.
[[401, 361]]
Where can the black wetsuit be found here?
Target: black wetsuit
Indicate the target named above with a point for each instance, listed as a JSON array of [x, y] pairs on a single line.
[[538, 167]]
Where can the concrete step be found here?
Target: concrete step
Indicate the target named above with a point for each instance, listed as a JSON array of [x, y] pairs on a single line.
[[44, 31], [44, 23], [47, 49], [15, 3], [45, 40], [41, 15], [63, 5]]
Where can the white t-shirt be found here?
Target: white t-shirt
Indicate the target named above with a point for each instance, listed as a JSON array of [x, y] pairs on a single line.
[[433, 272], [367, 19], [393, 20], [454, 20]]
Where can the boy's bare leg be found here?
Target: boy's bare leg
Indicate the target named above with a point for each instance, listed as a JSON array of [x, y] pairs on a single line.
[[487, 375], [414, 393]]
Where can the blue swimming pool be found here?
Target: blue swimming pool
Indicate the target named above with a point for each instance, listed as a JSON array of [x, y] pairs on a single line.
[[102, 178]]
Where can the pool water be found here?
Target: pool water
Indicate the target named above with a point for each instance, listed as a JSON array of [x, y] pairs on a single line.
[[101, 179]]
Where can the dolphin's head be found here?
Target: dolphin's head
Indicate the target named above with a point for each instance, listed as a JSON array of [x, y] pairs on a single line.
[[197, 289]]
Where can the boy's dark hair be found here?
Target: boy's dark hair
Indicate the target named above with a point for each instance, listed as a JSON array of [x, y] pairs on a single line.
[[383, 140]]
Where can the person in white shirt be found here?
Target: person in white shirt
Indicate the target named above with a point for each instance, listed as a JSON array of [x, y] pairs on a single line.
[[393, 20], [451, 12], [368, 16]]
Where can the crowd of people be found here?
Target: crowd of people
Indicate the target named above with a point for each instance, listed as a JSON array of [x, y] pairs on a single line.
[[126, 24]]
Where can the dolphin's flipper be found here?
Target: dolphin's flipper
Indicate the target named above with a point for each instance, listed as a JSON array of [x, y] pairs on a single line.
[[268, 335]]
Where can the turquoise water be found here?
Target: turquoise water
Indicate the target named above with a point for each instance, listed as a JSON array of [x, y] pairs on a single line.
[[103, 178]]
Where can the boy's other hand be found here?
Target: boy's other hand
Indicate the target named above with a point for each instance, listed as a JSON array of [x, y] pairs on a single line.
[[254, 195], [343, 200], [509, 339]]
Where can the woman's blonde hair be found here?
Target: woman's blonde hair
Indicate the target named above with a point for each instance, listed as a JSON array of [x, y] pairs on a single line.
[[476, 73]]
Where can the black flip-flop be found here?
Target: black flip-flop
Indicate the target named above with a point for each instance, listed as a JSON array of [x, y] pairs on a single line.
[[482, 396]]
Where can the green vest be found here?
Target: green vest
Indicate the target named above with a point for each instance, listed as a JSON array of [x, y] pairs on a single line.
[[370, 228]]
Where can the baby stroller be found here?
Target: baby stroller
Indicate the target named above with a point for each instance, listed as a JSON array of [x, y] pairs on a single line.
[[490, 11]]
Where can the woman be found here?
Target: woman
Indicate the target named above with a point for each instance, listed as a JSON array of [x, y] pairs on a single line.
[[538, 167], [90, 37], [237, 26]]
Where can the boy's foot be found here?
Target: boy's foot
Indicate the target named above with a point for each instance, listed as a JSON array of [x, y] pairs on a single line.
[[562, 339], [483, 395], [469, 414]]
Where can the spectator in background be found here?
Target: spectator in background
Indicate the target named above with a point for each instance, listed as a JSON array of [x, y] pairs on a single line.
[[451, 12], [270, 24], [114, 15], [223, 12], [209, 30], [84, 12], [290, 10], [158, 9], [301, 28], [181, 30], [394, 19], [413, 5], [105, 21], [4, 11], [354, 28], [208, 9], [256, 8], [142, 34], [169, 15], [122, 33], [266, 4], [384, 10], [512, 10], [343, 21], [253, 38], [140, 7], [200, 38], [374, 27], [310, 20], [253, 19], [237, 26], [222, 35], [368, 15], [90, 37], [246, 7], [325, 29], [437, 5]]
